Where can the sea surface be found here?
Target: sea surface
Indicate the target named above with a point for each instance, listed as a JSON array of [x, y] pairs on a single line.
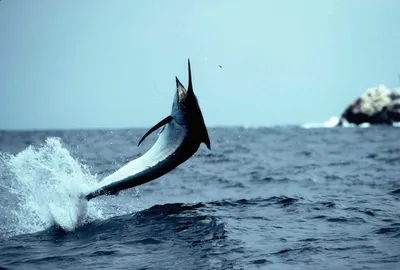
[[262, 198]]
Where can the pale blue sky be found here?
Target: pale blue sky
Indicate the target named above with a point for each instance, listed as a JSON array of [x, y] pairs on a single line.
[[88, 64]]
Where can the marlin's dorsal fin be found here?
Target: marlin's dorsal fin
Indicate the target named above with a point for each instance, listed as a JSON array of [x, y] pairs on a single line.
[[163, 122]]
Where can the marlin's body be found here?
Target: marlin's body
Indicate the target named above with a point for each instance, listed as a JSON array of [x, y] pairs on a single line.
[[183, 132], [171, 149]]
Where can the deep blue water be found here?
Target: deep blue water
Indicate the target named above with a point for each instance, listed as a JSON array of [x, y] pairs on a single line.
[[268, 198]]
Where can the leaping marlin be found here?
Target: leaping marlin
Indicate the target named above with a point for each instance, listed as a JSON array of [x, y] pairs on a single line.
[[182, 133]]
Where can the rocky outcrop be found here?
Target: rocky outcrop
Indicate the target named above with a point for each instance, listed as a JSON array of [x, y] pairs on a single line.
[[377, 106]]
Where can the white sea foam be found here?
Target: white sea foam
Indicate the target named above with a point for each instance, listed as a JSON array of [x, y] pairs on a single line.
[[332, 122]]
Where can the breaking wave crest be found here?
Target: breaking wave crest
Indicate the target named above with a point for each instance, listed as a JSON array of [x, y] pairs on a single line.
[[334, 121], [48, 184]]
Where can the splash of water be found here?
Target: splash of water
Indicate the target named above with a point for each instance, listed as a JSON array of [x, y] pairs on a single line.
[[48, 184]]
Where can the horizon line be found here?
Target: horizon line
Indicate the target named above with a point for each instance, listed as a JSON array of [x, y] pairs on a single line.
[[138, 127]]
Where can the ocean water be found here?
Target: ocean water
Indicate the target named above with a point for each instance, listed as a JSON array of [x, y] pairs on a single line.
[[263, 198]]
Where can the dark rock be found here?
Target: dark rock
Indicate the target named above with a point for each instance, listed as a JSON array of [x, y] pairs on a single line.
[[376, 106]]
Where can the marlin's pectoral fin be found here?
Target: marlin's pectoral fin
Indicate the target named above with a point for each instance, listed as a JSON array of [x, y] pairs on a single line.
[[163, 122]]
